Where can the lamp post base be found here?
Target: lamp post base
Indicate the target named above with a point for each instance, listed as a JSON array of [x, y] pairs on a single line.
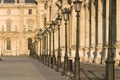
[[110, 74], [0, 59]]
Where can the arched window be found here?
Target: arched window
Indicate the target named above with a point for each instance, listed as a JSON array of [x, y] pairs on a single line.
[[8, 44]]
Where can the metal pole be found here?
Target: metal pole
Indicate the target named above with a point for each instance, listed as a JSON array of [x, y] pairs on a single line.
[[110, 74], [49, 64], [59, 54], [46, 49], [66, 56], [54, 59], [40, 50], [77, 58]]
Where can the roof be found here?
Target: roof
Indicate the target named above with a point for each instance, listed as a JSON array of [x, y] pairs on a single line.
[[12, 1]]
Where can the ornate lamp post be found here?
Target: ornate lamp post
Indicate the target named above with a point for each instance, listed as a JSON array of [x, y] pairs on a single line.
[[46, 32], [110, 74], [53, 58], [39, 36], [44, 48], [77, 4], [65, 12], [40, 49], [59, 54], [49, 63]]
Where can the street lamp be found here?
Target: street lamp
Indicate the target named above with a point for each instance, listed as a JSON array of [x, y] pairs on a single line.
[[42, 47], [110, 74], [53, 58], [39, 36], [44, 59], [58, 19], [77, 4], [46, 34], [49, 63], [65, 12]]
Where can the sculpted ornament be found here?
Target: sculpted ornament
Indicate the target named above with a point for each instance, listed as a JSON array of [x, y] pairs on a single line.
[[30, 21]]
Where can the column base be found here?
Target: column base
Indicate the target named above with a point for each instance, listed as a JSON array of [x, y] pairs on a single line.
[[91, 56], [116, 53], [105, 54], [98, 55], [117, 61], [85, 56]]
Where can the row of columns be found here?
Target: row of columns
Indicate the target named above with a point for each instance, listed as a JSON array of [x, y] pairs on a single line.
[[94, 22], [91, 34]]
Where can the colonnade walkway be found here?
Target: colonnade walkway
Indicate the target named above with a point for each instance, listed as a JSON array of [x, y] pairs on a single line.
[[27, 68]]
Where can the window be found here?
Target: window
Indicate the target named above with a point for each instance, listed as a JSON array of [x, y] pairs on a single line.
[[29, 42], [30, 11], [8, 46], [29, 28]]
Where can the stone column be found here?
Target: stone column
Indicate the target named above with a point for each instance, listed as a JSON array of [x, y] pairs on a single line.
[[105, 30], [92, 33], [73, 33], [117, 44], [86, 50], [82, 33], [99, 29], [62, 33]]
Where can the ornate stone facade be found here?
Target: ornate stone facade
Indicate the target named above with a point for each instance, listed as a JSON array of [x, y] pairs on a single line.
[[18, 23]]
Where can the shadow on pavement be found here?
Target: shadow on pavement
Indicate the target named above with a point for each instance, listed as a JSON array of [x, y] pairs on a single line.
[[88, 77]]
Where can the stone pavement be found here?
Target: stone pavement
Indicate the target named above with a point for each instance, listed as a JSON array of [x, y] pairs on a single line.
[[27, 68], [92, 71]]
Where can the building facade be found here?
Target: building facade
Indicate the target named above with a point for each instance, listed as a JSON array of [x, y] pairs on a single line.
[[18, 26], [21, 22]]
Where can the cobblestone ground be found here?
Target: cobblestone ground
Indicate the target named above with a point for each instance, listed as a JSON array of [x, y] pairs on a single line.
[[27, 68]]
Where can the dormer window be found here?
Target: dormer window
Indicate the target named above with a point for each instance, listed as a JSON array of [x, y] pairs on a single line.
[[29, 1], [8, 1]]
